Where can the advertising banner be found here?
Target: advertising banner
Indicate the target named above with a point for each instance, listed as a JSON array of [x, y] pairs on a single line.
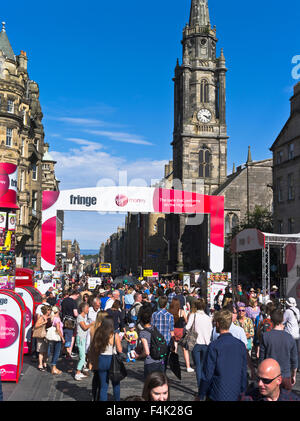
[[292, 257], [29, 303], [12, 328], [132, 199], [215, 283], [147, 273], [8, 185], [45, 282]]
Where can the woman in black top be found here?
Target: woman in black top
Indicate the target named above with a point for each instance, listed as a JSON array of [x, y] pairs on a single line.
[[180, 321], [117, 315]]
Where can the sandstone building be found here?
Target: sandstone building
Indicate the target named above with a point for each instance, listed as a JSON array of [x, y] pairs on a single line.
[[22, 143], [286, 173]]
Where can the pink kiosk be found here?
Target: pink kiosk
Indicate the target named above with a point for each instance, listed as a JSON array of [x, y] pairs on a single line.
[[12, 306], [32, 298]]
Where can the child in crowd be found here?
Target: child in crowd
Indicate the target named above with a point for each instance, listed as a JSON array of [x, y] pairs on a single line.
[[131, 337]]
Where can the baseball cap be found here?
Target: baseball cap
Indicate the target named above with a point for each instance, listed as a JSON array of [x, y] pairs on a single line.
[[131, 325]]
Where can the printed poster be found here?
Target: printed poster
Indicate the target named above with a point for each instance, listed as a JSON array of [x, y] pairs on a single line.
[[11, 222], [3, 221]]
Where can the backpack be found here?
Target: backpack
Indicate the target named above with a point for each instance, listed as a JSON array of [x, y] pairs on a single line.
[[129, 318], [158, 345], [265, 326]]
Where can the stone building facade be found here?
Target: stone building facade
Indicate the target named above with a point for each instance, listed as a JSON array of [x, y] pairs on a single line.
[[286, 173], [22, 143]]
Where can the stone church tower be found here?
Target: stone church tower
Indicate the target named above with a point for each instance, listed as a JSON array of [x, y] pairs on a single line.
[[200, 133]]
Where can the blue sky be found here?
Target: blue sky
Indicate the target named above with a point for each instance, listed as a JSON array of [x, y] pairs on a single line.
[[105, 74]]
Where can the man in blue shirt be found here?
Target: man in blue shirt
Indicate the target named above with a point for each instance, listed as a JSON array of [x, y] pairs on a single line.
[[164, 322], [236, 331], [225, 368]]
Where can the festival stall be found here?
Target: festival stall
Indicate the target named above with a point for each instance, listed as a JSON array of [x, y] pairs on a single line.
[[12, 334]]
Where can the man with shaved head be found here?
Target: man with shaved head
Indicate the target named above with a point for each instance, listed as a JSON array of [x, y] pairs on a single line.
[[269, 384]]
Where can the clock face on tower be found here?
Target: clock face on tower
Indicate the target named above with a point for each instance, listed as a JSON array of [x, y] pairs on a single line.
[[204, 115]]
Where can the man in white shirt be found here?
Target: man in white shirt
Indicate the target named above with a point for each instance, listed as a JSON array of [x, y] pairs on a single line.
[[38, 311], [115, 296], [291, 319]]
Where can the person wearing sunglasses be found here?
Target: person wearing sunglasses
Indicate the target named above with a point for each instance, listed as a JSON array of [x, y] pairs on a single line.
[[268, 382]]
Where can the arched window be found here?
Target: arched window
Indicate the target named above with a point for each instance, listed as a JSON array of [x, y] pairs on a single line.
[[235, 221], [227, 225], [204, 91], [204, 163]]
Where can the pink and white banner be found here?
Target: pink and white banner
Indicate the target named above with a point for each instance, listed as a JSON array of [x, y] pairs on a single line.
[[132, 199], [8, 185]]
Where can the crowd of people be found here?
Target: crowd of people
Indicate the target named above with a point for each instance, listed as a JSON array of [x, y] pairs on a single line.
[[244, 348]]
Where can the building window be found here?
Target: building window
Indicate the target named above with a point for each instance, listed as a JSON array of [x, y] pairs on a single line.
[[24, 116], [10, 106], [291, 225], [279, 157], [34, 202], [34, 172], [21, 215], [280, 227], [8, 137], [22, 180], [204, 163], [22, 147], [291, 151], [279, 190], [291, 189], [235, 221], [227, 225], [204, 91]]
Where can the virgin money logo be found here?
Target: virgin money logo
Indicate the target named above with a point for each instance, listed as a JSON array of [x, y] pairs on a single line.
[[121, 200]]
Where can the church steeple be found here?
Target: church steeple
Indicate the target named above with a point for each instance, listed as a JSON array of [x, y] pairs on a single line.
[[199, 14]]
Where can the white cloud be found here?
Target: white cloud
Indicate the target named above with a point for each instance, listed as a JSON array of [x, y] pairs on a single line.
[[86, 165], [120, 137], [80, 121]]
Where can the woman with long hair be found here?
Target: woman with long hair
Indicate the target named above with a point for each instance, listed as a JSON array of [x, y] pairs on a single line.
[[203, 327], [93, 357], [106, 343], [156, 387], [180, 321]]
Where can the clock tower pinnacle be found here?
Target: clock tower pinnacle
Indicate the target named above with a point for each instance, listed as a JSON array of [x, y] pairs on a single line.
[[200, 132]]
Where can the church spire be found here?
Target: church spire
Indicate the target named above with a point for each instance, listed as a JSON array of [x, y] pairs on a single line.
[[5, 46], [199, 13]]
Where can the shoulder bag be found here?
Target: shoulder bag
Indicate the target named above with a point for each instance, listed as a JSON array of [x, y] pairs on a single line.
[[117, 371], [39, 332], [190, 338], [52, 334]]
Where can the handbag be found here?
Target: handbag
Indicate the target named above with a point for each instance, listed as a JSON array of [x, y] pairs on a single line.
[[69, 322], [190, 338], [117, 370], [52, 334], [39, 332]]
